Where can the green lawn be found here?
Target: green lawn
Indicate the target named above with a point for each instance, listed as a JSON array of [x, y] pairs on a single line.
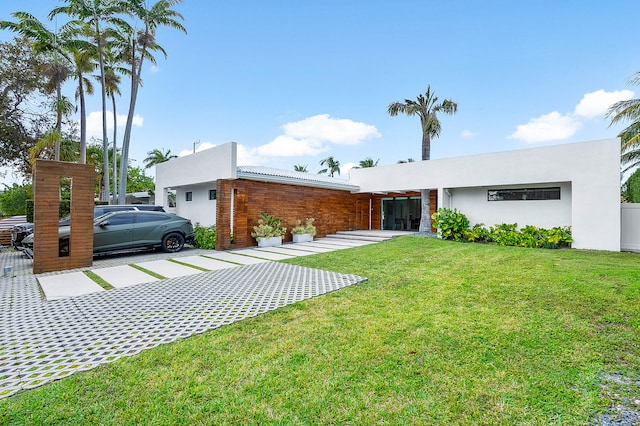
[[442, 333]]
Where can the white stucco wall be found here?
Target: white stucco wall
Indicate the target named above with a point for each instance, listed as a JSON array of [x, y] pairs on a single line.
[[474, 204], [199, 171], [200, 209], [591, 168]]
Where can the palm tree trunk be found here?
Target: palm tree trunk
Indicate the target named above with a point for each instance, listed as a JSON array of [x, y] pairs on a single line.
[[115, 151], [425, 194], [124, 161], [83, 122], [58, 119]]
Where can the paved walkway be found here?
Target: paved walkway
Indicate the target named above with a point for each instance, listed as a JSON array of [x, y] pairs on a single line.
[[41, 341]]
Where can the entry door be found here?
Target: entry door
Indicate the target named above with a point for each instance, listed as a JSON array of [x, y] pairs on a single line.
[[401, 213]]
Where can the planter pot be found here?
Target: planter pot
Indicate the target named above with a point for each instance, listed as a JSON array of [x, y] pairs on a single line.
[[302, 238], [269, 242]]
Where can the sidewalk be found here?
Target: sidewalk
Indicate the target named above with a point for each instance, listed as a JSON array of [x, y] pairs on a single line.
[[42, 341]]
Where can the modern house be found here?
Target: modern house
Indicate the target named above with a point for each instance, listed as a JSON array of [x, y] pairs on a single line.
[[575, 185]]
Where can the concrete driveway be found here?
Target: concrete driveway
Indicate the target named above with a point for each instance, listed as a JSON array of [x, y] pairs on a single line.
[[44, 340]]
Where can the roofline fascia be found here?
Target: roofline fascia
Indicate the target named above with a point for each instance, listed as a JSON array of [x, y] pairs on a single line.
[[297, 182]]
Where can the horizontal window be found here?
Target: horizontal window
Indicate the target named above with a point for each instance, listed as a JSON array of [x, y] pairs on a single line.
[[521, 194]]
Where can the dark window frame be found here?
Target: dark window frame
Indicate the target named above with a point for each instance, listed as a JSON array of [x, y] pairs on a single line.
[[213, 194], [188, 196], [525, 194]]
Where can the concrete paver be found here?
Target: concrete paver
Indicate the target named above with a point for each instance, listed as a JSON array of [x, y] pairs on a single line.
[[206, 262], [68, 285], [123, 276], [168, 269], [235, 258], [263, 254], [285, 250]]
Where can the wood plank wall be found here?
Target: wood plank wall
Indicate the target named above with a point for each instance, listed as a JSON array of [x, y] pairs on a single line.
[[333, 210]]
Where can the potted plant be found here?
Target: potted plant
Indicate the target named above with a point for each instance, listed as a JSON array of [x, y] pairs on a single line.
[[303, 233], [269, 231]]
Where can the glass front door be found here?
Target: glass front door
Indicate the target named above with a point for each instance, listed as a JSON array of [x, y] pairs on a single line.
[[401, 213]]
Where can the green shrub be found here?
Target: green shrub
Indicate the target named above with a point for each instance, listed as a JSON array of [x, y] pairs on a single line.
[[478, 234], [451, 224], [307, 228], [267, 227], [204, 237], [13, 199]]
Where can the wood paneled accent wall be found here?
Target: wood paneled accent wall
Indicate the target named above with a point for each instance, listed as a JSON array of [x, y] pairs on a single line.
[[46, 193], [334, 210]]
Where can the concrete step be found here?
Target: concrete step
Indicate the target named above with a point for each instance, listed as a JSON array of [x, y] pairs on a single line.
[[369, 235], [357, 238]]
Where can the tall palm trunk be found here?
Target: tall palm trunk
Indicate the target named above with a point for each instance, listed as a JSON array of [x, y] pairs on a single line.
[[124, 161], [105, 140], [58, 118], [115, 151], [425, 194], [83, 121]]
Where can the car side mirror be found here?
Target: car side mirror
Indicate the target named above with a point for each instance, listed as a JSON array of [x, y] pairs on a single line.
[[103, 223]]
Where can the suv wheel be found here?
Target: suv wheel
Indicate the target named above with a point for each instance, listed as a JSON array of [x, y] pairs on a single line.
[[172, 242]]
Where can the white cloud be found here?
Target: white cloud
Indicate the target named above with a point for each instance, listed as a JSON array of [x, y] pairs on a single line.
[[289, 146], [248, 156], [94, 123], [333, 130], [313, 135], [548, 127], [555, 126], [596, 103], [468, 134]]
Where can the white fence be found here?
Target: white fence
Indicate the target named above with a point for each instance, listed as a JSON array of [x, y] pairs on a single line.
[[630, 227]]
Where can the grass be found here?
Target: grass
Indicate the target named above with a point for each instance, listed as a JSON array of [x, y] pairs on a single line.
[[98, 280], [442, 333]]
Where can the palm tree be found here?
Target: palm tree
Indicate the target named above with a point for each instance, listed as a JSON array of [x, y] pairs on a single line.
[[368, 162], [301, 168], [141, 44], [332, 166], [83, 64], [56, 46], [97, 15], [112, 80], [426, 107], [408, 160], [156, 156], [628, 110]]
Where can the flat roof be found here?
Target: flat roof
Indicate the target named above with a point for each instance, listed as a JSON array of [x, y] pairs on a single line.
[[268, 174]]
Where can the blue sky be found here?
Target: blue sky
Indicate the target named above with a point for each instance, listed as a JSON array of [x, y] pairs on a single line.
[[293, 82]]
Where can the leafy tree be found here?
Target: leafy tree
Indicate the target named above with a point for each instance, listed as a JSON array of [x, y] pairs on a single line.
[[138, 181], [13, 200], [628, 110], [408, 160], [631, 188], [141, 44], [157, 156], [332, 166], [22, 102], [301, 168], [368, 162], [56, 68], [427, 108]]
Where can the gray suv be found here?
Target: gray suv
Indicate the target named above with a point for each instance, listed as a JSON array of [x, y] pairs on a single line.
[[18, 232]]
